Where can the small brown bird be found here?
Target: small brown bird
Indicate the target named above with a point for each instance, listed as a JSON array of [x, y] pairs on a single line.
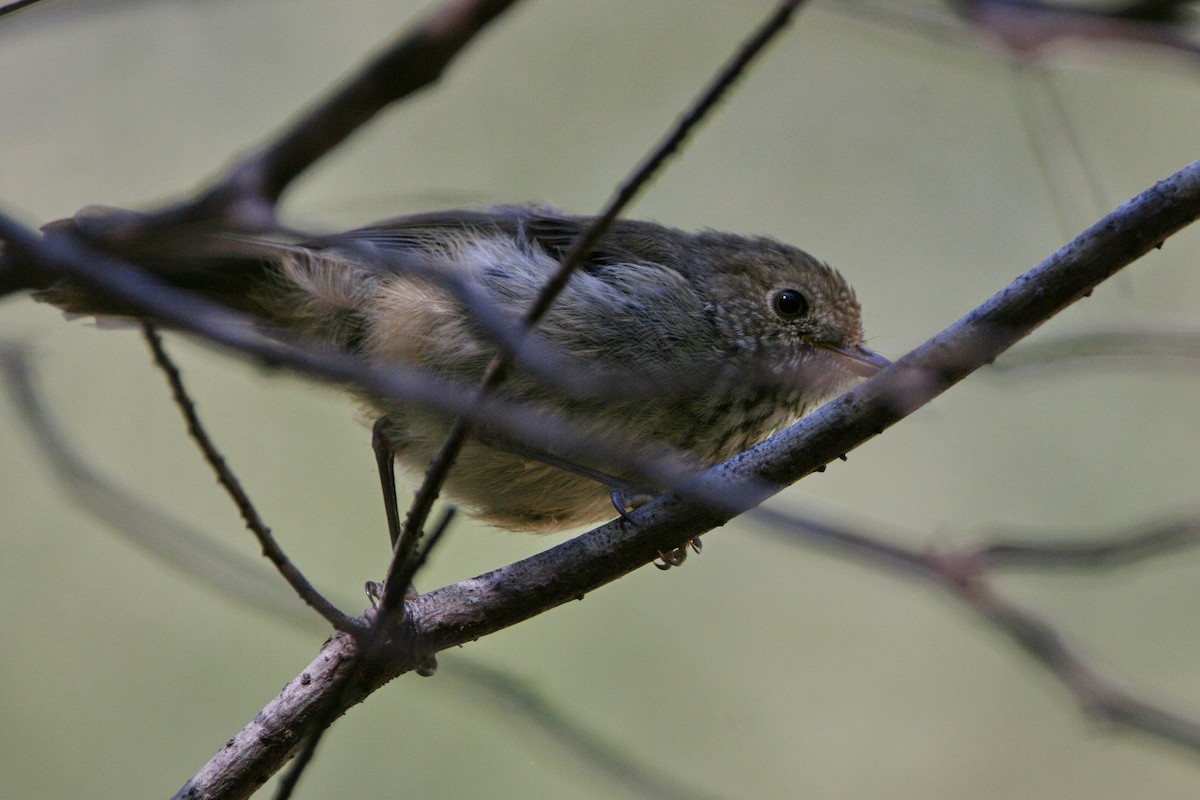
[[737, 336]]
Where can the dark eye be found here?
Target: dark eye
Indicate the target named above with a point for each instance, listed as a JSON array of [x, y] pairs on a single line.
[[789, 304]]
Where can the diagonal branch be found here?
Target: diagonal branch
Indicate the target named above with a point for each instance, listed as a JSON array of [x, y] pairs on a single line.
[[1117, 549], [245, 198], [248, 583], [457, 614]]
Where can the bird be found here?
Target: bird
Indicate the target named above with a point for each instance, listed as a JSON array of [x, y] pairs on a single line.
[[705, 342]]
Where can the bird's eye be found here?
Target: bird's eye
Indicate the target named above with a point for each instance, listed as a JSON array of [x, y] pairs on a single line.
[[789, 304]]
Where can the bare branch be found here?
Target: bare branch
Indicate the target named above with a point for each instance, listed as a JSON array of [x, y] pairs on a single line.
[[1096, 692], [716, 90], [231, 484], [16, 5], [1026, 28], [1102, 551], [964, 573]]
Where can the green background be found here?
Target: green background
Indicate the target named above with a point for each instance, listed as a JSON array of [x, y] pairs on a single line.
[[758, 670]]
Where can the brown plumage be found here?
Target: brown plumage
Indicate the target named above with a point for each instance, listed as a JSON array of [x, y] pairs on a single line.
[[739, 336]]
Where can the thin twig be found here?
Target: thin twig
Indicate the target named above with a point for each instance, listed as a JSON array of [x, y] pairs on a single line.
[[699, 110], [1096, 692], [1106, 551], [407, 568], [1027, 28], [237, 493]]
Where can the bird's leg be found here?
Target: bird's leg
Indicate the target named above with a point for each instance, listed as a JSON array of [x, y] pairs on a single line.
[[625, 501], [385, 462], [677, 555], [622, 489]]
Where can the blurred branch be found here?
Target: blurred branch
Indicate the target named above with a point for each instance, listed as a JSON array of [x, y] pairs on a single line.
[[1144, 346], [463, 612], [351, 667], [1105, 551], [964, 572], [64, 256], [1056, 146], [1026, 27], [149, 529], [1022, 31], [607, 757]]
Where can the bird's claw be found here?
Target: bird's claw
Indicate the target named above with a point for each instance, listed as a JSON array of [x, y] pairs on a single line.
[[677, 555]]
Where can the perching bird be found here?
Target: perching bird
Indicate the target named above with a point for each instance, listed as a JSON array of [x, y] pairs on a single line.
[[724, 338]]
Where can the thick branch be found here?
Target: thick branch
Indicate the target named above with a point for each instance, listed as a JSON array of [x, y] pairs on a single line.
[[412, 63], [245, 197]]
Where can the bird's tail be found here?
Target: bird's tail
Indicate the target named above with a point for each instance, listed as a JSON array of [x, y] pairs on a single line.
[[226, 269]]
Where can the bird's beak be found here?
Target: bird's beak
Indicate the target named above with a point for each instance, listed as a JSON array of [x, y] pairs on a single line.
[[861, 361]]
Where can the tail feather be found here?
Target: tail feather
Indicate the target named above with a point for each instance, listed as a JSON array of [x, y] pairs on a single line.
[[226, 269], [301, 288]]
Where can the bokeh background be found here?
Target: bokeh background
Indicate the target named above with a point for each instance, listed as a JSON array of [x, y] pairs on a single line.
[[903, 154]]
